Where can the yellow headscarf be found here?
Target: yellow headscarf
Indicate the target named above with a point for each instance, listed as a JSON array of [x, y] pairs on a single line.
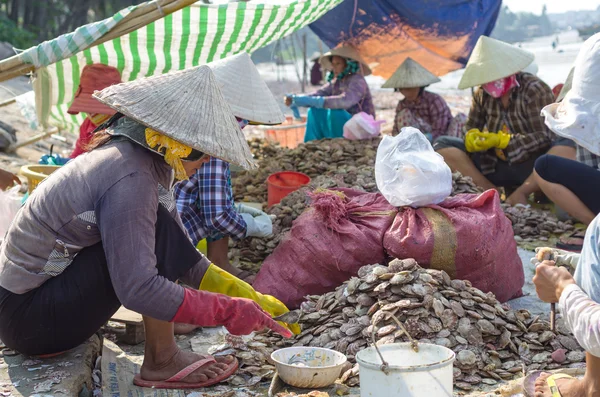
[[174, 151]]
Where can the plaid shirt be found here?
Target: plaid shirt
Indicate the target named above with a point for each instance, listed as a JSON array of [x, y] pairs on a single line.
[[205, 203], [350, 93], [586, 157], [430, 107], [530, 136]]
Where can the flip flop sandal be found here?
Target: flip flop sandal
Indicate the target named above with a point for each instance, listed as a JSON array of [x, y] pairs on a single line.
[[50, 355], [176, 381], [529, 383], [564, 244]]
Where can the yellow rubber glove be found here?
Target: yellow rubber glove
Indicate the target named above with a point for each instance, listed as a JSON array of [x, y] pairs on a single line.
[[202, 247], [474, 140], [477, 141], [219, 281], [503, 140]]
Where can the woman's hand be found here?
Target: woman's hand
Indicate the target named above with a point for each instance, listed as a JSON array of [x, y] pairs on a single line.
[[287, 100], [8, 179], [550, 281]]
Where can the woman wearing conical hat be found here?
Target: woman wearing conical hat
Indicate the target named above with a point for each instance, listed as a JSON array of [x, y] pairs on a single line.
[[103, 231], [205, 200], [505, 132], [420, 108], [345, 95]]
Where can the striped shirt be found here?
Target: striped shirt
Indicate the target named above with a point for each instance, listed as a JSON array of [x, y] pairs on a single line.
[[530, 135], [205, 204]]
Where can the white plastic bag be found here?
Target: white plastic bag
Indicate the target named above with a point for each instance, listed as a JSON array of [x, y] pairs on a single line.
[[362, 126], [10, 202], [409, 172]]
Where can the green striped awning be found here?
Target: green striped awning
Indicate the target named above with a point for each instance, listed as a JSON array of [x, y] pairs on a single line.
[[192, 36]]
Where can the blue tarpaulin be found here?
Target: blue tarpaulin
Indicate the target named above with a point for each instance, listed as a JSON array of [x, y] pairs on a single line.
[[439, 34]]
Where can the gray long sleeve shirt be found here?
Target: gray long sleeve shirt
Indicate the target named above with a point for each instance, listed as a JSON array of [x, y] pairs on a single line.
[[110, 195]]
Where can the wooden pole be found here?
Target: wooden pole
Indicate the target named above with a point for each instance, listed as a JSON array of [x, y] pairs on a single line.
[[304, 63], [8, 102], [143, 15], [33, 139]]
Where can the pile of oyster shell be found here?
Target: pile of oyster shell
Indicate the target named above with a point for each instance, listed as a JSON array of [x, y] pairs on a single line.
[[492, 342], [531, 224]]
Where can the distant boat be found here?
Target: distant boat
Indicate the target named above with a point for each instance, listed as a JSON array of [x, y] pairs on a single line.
[[589, 31]]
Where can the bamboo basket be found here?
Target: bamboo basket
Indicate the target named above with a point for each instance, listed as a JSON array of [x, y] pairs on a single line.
[[36, 174]]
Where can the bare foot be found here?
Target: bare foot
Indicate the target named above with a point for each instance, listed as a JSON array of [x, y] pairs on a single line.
[[567, 387], [517, 198], [179, 360], [183, 329]]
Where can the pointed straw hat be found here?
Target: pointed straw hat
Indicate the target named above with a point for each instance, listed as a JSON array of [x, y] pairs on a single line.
[[245, 91], [410, 75], [567, 87], [186, 106], [492, 60], [347, 52], [577, 116]]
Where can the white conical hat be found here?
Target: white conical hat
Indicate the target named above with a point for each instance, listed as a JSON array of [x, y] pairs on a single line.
[[345, 52], [577, 116], [492, 60], [245, 91], [567, 87], [186, 106], [410, 75]]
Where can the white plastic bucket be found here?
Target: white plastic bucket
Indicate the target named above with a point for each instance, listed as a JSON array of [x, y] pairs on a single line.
[[427, 373]]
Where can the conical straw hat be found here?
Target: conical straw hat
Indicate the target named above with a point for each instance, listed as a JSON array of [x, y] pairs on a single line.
[[492, 60], [567, 87], [345, 52], [410, 75], [245, 91], [186, 106]]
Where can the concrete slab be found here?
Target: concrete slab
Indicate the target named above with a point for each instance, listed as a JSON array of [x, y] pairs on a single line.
[[69, 374]]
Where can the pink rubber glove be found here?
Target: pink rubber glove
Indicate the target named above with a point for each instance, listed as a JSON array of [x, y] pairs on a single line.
[[239, 315]]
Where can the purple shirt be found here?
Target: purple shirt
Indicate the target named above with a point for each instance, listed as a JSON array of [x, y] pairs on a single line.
[[350, 93], [109, 195]]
